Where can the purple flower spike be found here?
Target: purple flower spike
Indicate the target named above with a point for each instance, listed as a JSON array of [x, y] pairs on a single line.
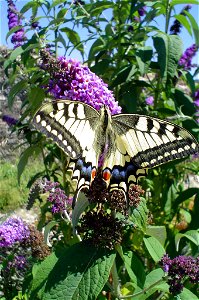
[[74, 81], [179, 269], [18, 37], [57, 197], [186, 58], [9, 120]]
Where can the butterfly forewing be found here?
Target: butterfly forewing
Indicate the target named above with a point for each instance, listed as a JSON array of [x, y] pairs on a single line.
[[71, 125], [150, 141]]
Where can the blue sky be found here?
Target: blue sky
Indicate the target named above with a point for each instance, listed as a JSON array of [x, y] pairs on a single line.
[[187, 39]]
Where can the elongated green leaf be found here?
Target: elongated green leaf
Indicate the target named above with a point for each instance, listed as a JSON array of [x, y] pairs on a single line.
[[154, 248], [183, 20], [171, 195], [27, 6], [140, 215], [80, 273], [99, 7], [36, 96], [185, 102], [184, 195], [40, 276], [97, 46], [169, 49], [74, 38], [143, 57], [47, 229], [154, 282], [14, 29], [174, 2], [17, 88], [80, 206], [187, 294], [24, 159], [159, 232], [62, 13], [134, 267], [195, 26], [192, 235]]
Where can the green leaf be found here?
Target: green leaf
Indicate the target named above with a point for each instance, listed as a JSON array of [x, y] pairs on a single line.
[[192, 235], [17, 88], [135, 268], [140, 215], [187, 294], [80, 273], [74, 38], [47, 229], [194, 25], [170, 194], [183, 20], [80, 206], [62, 13], [126, 257], [185, 102], [40, 275], [159, 232], [143, 57], [174, 2], [154, 248], [27, 6], [24, 159], [36, 96], [184, 195], [169, 49], [124, 75], [14, 29], [99, 7], [97, 46], [154, 282]]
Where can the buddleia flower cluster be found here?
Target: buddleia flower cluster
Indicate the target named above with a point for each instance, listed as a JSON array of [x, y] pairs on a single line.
[[105, 225], [69, 79], [14, 20], [19, 245], [176, 27], [60, 202], [186, 59], [11, 121], [179, 269]]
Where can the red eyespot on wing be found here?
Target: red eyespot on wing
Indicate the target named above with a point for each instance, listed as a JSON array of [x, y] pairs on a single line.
[[106, 175], [93, 173]]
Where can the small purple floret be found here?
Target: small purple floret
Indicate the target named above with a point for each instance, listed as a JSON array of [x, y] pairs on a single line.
[[150, 100]]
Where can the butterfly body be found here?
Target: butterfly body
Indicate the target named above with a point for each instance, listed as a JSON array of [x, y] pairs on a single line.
[[122, 146]]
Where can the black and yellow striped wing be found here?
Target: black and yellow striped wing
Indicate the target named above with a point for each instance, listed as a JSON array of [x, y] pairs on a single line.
[[125, 144]]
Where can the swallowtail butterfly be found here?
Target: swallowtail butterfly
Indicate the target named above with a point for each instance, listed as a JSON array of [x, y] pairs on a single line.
[[125, 145]]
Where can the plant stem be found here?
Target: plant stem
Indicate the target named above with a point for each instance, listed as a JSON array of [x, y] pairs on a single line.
[[144, 290], [168, 14], [116, 283], [43, 156], [63, 170]]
